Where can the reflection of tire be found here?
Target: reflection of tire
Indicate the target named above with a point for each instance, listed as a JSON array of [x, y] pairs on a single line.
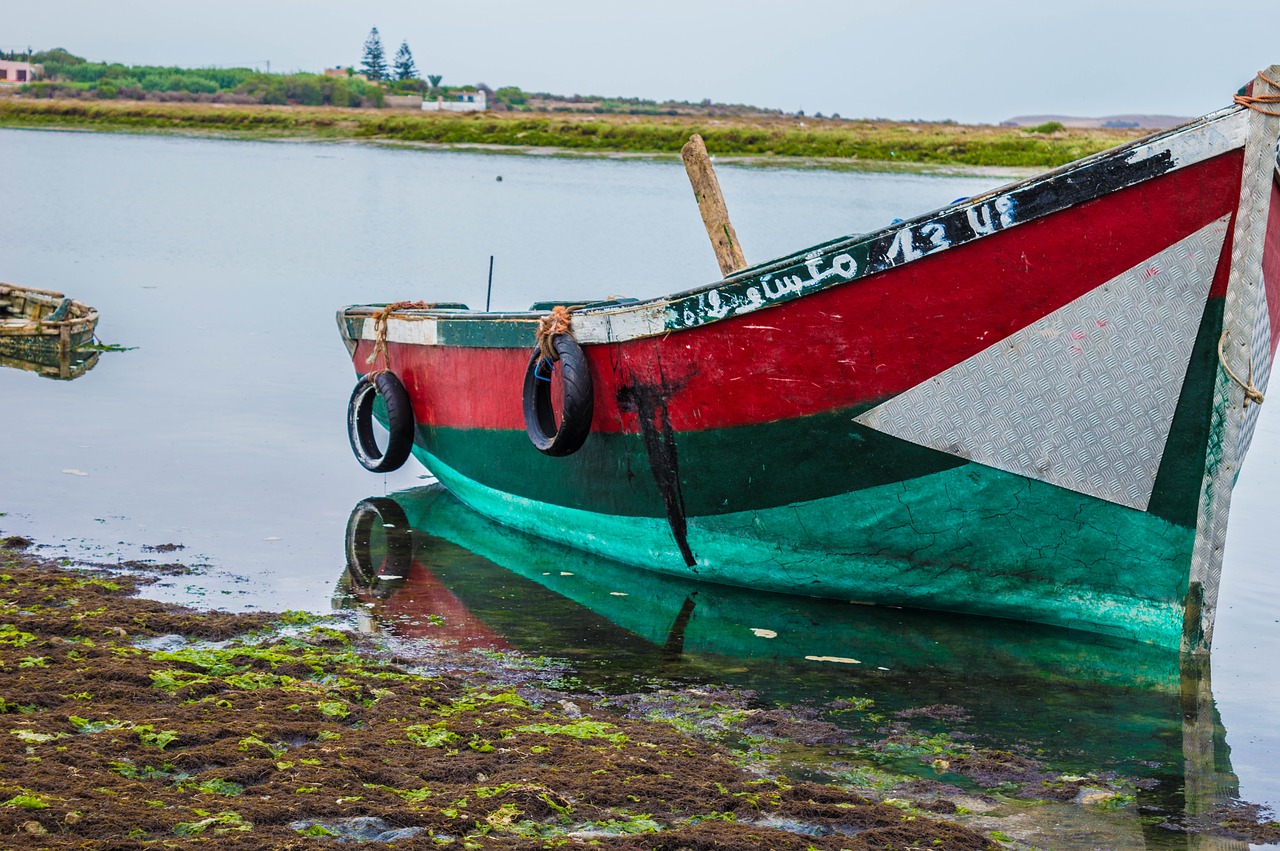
[[579, 399], [400, 423], [395, 563]]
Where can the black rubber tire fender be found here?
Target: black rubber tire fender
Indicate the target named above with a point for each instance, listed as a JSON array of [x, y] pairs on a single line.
[[362, 572], [400, 423], [579, 400]]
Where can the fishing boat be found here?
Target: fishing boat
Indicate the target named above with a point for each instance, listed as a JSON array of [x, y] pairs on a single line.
[[1029, 404], [41, 330]]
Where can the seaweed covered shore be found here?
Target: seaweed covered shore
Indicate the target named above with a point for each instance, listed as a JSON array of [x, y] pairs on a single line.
[[131, 723]]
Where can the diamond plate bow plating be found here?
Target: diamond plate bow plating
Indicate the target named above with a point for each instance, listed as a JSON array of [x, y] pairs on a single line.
[[1245, 317], [1082, 398]]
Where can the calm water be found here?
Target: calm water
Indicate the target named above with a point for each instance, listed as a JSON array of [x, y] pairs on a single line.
[[223, 264]]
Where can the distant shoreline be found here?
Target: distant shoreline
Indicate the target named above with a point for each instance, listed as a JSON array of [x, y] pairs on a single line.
[[789, 142]]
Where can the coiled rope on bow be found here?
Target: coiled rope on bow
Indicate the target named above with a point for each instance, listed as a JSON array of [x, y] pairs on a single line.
[[1255, 102], [1251, 392], [558, 321], [380, 318]]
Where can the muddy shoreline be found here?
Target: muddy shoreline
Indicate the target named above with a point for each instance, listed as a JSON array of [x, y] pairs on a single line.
[[131, 722]]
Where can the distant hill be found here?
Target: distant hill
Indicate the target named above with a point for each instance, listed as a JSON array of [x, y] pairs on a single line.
[[1145, 122]]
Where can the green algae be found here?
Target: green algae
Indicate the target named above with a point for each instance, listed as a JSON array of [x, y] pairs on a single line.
[[219, 823], [580, 729], [430, 735], [27, 802]]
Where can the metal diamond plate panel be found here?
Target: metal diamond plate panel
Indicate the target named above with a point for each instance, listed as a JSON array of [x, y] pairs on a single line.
[[1244, 319], [1082, 398]]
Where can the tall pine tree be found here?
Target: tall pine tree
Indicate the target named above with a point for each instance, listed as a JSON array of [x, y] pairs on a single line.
[[374, 63], [404, 67]]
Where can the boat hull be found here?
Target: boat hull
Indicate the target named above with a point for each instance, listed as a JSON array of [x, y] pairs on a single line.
[[1014, 406]]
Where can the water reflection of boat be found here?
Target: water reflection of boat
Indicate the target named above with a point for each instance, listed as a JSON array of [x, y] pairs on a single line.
[[62, 367], [420, 557], [1029, 404]]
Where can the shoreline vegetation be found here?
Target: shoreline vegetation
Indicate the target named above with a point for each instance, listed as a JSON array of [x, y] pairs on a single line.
[[71, 92], [777, 140]]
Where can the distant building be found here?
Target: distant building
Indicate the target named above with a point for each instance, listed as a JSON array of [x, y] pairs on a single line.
[[19, 72], [461, 100], [402, 101], [344, 71]]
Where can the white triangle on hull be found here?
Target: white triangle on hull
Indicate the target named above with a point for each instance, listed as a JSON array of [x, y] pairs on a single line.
[[1082, 398]]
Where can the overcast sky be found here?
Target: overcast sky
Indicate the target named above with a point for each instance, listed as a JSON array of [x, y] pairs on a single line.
[[977, 61]]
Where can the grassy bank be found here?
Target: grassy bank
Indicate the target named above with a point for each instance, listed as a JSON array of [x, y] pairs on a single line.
[[781, 138]]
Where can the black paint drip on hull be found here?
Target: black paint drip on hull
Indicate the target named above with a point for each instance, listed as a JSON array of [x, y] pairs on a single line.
[[649, 404]]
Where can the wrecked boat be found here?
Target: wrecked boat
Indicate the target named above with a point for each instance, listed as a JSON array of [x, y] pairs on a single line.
[[41, 331], [1030, 404]]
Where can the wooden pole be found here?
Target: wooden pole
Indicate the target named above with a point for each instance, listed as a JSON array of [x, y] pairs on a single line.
[[697, 162]]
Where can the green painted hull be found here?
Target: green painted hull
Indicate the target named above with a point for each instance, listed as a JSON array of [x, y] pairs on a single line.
[[974, 556]]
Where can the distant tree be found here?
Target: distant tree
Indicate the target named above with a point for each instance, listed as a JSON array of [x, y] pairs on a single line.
[[404, 67], [511, 96], [374, 63], [59, 56], [434, 79]]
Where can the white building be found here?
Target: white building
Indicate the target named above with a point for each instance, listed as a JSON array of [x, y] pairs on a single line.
[[458, 101], [19, 72]]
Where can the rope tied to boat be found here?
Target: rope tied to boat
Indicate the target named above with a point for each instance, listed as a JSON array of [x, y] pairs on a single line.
[[1251, 392], [380, 318], [1254, 101], [558, 321]]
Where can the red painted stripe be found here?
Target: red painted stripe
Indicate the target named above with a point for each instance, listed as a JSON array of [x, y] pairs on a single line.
[[423, 607], [856, 343], [1271, 264]]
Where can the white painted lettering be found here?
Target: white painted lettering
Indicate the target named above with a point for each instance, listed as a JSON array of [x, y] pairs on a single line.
[[719, 308], [903, 247], [936, 233], [981, 219], [1007, 208]]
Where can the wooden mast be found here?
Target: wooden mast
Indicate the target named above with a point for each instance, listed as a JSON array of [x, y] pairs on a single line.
[[711, 204]]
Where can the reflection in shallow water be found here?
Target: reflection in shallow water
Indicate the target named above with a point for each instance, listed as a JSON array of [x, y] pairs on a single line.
[[59, 366], [421, 564]]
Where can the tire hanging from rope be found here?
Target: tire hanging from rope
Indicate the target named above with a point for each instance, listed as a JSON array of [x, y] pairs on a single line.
[[556, 345], [401, 423]]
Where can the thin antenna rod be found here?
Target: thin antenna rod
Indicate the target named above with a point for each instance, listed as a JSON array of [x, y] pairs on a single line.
[[489, 295]]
